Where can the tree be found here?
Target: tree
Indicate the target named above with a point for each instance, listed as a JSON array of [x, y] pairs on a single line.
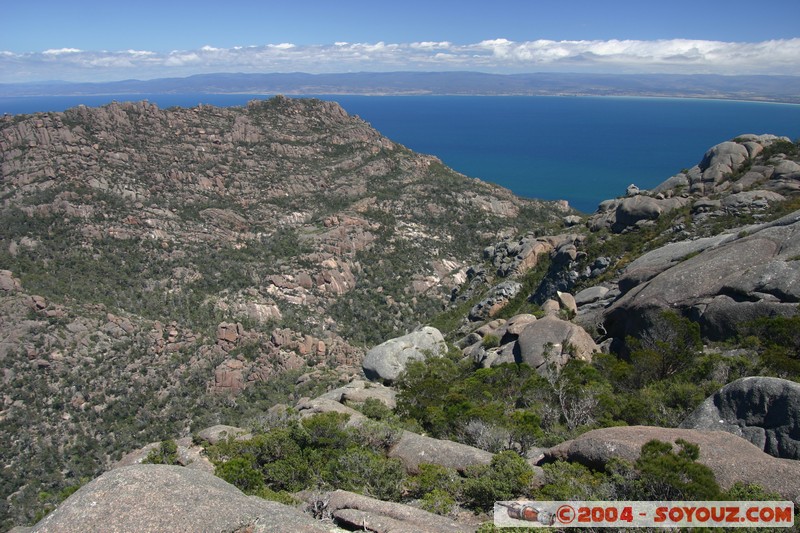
[[671, 345]]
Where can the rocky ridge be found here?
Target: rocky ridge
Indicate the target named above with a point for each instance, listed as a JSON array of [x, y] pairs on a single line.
[[159, 263], [712, 257], [160, 498]]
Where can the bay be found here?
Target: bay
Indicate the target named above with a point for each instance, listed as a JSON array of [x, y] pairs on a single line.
[[579, 149]]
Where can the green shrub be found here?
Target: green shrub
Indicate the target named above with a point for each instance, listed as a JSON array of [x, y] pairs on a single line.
[[432, 477], [438, 501], [507, 477], [165, 454], [490, 341], [670, 346], [667, 475], [279, 496], [423, 388], [780, 146], [660, 473], [326, 430], [241, 473], [741, 491], [571, 481], [376, 435], [364, 471], [375, 409], [778, 341]]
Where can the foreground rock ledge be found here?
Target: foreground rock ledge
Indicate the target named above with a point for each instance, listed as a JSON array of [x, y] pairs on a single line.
[[163, 499], [355, 510], [731, 458]]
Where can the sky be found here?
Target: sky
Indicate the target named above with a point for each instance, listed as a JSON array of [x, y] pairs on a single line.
[[90, 40]]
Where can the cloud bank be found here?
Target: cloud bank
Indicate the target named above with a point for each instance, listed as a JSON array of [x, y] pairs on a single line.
[[678, 56]]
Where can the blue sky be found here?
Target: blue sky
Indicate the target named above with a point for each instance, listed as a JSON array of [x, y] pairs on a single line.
[[102, 40]]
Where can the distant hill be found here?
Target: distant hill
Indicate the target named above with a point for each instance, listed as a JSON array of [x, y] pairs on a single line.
[[766, 88]]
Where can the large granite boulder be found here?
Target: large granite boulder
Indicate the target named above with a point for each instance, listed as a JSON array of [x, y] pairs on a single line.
[[220, 432], [160, 498], [590, 295], [307, 407], [388, 360], [751, 200], [621, 214], [654, 262], [731, 458], [763, 410], [633, 209], [722, 160], [356, 511], [189, 455], [721, 283], [552, 341], [359, 391], [413, 449]]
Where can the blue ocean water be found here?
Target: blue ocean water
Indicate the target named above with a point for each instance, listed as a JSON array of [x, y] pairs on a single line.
[[580, 149]]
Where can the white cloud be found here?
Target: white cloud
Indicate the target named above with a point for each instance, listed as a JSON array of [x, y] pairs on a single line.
[[178, 58], [140, 53], [431, 45], [495, 55], [61, 51]]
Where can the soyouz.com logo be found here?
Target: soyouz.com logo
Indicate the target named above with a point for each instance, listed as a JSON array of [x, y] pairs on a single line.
[[644, 514]]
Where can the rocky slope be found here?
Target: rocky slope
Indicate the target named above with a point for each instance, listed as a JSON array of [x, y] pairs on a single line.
[[166, 270], [162, 267], [721, 254]]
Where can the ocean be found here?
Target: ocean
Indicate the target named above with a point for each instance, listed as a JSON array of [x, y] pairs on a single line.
[[579, 149]]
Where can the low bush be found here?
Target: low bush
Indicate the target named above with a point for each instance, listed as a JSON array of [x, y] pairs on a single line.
[[165, 454], [507, 477]]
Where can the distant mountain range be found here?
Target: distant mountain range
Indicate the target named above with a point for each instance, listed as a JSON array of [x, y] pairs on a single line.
[[762, 88]]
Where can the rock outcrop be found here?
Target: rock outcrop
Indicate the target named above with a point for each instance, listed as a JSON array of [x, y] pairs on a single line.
[[221, 432], [365, 513], [160, 499], [721, 282], [517, 257], [545, 344], [726, 180], [495, 300], [388, 360], [763, 410], [731, 458], [410, 448], [413, 449], [553, 341], [189, 455], [358, 391]]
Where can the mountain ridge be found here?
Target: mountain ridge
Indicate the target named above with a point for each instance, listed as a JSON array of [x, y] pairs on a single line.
[[743, 87]]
